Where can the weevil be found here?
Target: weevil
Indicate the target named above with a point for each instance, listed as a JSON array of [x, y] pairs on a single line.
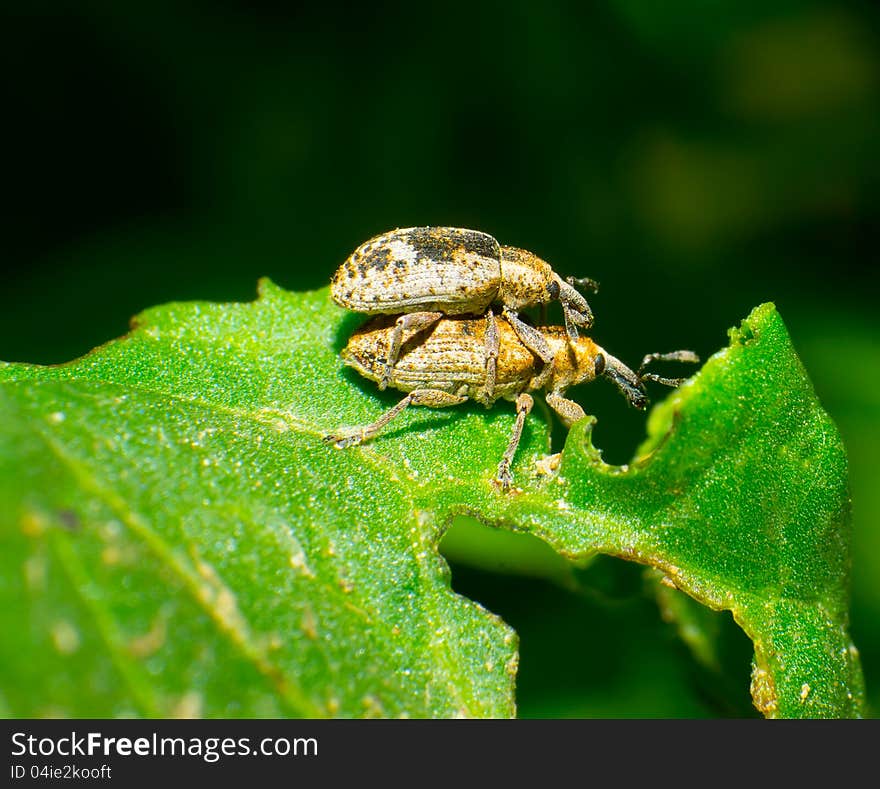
[[429, 272], [445, 366]]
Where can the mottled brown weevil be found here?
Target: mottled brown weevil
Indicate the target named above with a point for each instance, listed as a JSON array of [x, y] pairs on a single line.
[[428, 272], [446, 366]]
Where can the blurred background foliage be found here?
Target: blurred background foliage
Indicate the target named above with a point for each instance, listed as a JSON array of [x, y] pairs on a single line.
[[697, 157]]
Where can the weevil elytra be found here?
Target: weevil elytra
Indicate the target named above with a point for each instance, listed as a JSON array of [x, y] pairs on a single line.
[[421, 274], [445, 366]]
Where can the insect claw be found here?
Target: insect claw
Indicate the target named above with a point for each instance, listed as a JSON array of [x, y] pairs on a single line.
[[503, 479], [343, 440]]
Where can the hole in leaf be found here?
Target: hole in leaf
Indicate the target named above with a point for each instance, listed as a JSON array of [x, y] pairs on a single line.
[[592, 640], [619, 429]]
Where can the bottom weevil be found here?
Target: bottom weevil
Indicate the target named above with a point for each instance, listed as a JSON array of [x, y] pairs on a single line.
[[446, 366]]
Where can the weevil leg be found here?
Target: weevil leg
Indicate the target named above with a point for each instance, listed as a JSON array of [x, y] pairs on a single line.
[[432, 398], [569, 411], [417, 321], [485, 393], [570, 328], [524, 403], [535, 342]]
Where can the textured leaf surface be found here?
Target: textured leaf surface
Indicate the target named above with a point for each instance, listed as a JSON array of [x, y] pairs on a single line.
[[177, 539]]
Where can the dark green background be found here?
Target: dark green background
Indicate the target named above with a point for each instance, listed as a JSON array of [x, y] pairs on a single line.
[[698, 157]]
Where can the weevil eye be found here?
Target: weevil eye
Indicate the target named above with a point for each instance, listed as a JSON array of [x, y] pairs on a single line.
[[599, 364], [553, 289]]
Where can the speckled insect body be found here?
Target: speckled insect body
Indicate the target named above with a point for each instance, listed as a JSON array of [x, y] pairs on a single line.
[[446, 367], [421, 274]]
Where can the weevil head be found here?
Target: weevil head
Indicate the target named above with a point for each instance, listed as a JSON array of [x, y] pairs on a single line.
[[574, 362], [367, 347], [526, 279]]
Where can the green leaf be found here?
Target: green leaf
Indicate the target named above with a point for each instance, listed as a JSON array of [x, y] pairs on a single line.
[[178, 540]]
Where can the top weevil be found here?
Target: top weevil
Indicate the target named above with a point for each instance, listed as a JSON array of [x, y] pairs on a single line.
[[428, 272]]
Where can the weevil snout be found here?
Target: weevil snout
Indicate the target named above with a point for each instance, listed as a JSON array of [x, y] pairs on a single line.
[[632, 385], [629, 384], [575, 309], [572, 299]]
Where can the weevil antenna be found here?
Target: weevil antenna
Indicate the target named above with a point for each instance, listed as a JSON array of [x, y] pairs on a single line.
[[688, 357], [584, 283]]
